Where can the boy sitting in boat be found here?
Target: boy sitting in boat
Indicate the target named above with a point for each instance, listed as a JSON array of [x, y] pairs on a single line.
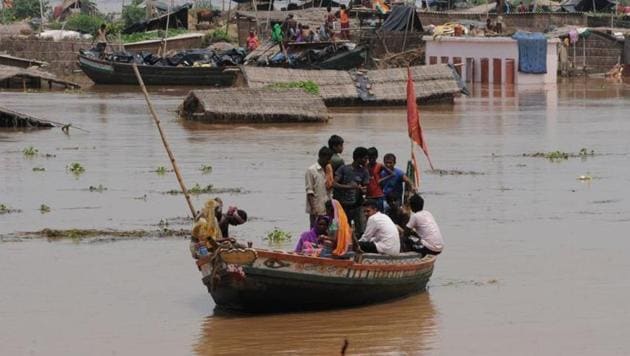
[[422, 229], [381, 234]]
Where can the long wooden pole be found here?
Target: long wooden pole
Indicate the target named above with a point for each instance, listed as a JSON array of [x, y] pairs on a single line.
[[166, 146], [168, 17]]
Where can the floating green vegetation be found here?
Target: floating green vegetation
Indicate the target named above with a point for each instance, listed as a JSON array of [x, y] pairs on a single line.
[[76, 168], [5, 209], [44, 209], [99, 188], [560, 155], [197, 189], [161, 170], [205, 169], [277, 236], [454, 172], [30, 151], [308, 86], [78, 234], [50, 155], [39, 169]]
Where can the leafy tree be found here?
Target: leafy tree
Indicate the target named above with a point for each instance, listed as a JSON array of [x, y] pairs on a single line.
[[29, 8], [133, 13]]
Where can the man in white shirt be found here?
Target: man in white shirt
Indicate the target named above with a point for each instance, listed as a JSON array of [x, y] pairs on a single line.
[[381, 234], [423, 226], [315, 185]]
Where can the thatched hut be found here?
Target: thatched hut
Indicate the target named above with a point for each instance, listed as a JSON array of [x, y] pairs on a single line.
[[247, 105], [432, 83], [380, 87], [14, 119], [334, 85]]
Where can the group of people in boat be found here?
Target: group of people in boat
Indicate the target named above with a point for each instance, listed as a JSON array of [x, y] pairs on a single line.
[[359, 207]]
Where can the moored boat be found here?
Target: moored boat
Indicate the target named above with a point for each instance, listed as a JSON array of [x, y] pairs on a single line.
[[110, 72], [257, 280]]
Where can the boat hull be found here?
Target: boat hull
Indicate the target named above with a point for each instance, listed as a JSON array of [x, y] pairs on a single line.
[[284, 282], [105, 72]]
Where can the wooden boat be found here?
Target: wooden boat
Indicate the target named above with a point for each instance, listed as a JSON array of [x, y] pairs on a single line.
[[257, 280], [108, 72]]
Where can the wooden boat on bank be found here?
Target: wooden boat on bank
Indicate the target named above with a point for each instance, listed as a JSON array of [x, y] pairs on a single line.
[[257, 280], [109, 72]]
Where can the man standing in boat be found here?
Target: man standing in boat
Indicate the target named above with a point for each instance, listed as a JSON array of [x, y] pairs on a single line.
[[351, 183], [101, 40], [315, 184]]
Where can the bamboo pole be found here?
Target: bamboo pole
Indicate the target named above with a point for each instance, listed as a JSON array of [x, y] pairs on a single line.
[[227, 20], [168, 17], [409, 22], [166, 146]]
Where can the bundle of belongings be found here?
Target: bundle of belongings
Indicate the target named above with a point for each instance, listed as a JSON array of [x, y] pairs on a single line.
[[308, 57], [186, 58]]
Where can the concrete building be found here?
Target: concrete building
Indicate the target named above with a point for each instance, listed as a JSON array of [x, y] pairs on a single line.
[[489, 59]]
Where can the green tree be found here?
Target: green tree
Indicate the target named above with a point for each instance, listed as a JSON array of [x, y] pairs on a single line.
[[29, 8], [133, 13], [84, 23]]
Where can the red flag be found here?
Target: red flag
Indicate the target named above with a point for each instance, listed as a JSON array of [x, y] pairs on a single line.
[[413, 119]]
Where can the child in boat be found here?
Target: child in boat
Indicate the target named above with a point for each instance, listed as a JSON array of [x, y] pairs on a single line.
[[374, 190], [423, 227]]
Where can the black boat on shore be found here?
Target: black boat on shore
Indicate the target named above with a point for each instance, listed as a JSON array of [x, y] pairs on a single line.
[[111, 72]]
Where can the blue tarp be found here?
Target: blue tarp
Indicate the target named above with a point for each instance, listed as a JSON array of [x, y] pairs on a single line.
[[532, 52]]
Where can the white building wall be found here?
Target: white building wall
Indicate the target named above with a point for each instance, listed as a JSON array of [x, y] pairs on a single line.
[[490, 47]]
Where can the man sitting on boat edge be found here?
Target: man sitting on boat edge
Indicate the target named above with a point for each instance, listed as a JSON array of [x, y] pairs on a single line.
[[381, 234], [422, 226]]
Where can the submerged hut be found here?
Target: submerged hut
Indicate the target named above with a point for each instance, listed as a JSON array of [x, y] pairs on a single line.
[[32, 78], [14, 119], [335, 86], [438, 82], [247, 105]]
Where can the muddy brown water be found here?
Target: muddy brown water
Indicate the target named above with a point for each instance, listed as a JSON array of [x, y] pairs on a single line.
[[535, 260]]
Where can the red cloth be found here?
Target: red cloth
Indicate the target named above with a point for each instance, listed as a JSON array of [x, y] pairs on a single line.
[[373, 188], [413, 119]]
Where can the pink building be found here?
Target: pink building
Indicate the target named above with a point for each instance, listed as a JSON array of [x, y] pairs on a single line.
[[489, 59]]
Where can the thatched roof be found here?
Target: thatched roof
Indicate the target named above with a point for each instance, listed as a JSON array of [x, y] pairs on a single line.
[[311, 17], [388, 86], [246, 105], [12, 119], [333, 84], [7, 72], [429, 81]]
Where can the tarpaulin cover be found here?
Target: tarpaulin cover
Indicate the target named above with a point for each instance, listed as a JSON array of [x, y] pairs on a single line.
[[586, 5], [401, 18], [532, 52]]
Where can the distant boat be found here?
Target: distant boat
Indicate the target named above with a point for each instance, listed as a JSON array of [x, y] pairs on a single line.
[[110, 72], [257, 280]]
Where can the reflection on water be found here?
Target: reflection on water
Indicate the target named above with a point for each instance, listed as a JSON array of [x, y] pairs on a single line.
[[554, 247], [401, 327]]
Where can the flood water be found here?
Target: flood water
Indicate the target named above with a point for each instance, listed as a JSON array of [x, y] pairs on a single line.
[[535, 259]]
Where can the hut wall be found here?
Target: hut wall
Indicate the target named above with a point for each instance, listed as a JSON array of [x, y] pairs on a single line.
[[528, 21], [61, 56], [602, 52]]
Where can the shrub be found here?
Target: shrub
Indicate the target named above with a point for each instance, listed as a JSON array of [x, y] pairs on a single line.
[[84, 23]]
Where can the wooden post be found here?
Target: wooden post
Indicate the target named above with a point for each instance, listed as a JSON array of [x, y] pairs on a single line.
[[168, 17], [227, 20], [410, 19], [166, 146]]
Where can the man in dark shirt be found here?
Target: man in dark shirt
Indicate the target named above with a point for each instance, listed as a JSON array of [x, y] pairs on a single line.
[[351, 182]]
